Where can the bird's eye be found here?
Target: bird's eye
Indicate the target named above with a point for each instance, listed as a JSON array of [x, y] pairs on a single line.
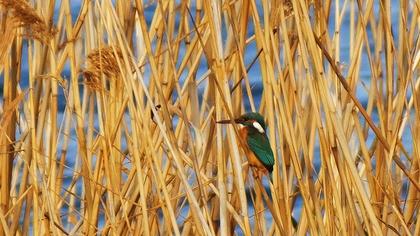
[[258, 127]]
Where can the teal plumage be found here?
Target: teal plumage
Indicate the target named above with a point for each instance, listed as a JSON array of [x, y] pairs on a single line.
[[258, 142], [260, 146], [256, 139]]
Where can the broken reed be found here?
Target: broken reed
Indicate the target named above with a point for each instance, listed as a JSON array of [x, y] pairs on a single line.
[[112, 163]]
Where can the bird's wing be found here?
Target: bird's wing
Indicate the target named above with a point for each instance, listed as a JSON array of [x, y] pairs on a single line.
[[260, 146]]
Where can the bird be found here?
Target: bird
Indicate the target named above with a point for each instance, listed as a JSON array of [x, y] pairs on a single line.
[[258, 149], [253, 134]]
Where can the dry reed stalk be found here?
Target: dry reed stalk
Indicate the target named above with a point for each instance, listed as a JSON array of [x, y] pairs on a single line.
[[136, 149], [6, 39], [27, 18]]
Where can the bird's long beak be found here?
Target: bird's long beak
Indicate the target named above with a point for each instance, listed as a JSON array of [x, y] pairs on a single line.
[[224, 121], [239, 120]]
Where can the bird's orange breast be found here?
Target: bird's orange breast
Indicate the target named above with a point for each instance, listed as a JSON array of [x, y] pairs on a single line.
[[252, 158]]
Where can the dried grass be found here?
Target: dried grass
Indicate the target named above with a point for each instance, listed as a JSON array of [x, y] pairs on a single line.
[[103, 61], [6, 37], [136, 150], [33, 24]]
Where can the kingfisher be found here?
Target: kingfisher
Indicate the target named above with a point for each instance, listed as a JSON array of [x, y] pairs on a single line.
[[253, 135]]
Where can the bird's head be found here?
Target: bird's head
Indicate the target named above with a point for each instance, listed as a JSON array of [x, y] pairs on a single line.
[[251, 120]]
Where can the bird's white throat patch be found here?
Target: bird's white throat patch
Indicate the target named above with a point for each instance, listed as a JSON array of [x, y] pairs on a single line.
[[258, 127]]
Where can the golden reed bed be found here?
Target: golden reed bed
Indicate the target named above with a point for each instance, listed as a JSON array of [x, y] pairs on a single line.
[[107, 120]]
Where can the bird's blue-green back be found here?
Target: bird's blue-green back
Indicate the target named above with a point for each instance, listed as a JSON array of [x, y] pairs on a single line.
[[260, 146]]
